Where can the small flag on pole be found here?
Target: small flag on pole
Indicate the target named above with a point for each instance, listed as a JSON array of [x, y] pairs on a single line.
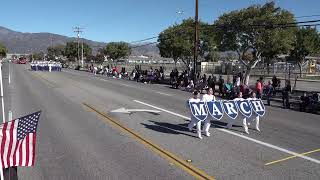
[[18, 141]]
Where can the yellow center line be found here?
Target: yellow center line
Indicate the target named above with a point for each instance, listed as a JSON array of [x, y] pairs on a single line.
[[290, 157], [197, 173]]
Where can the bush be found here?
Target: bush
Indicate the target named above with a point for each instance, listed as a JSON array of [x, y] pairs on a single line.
[[78, 67]]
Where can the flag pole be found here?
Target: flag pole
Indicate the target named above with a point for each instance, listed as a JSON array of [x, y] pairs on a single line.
[[1, 94], [2, 104]]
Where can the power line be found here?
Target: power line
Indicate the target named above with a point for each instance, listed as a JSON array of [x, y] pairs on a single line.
[[134, 42], [208, 30], [283, 25], [315, 15], [133, 47]]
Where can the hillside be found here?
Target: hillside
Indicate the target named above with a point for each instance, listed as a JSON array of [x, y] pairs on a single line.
[[18, 42]]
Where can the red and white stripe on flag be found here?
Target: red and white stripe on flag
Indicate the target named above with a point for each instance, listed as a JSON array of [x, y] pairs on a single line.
[[15, 152]]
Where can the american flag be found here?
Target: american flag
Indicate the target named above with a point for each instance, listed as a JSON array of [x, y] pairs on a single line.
[[18, 141]]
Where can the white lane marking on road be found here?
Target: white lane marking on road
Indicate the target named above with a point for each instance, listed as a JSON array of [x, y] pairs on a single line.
[[163, 93], [126, 85], [104, 80], [239, 135], [121, 84]]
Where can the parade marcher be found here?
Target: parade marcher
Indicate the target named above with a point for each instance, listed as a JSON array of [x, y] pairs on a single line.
[[49, 66], [45, 66], [244, 119], [207, 98], [254, 117], [194, 121]]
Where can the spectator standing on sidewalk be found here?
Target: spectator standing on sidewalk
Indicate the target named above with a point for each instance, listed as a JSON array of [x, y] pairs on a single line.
[[304, 102], [259, 89], [268, 92], [285, 95], [228, 89], [313, 102], [221, 84]]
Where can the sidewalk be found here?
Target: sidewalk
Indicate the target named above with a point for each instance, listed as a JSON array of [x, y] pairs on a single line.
[[301, 85]]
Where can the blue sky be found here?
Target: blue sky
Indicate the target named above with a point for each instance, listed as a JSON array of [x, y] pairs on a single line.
[[124, 20]]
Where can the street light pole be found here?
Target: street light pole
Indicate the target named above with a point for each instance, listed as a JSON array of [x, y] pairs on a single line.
[[196, 41]]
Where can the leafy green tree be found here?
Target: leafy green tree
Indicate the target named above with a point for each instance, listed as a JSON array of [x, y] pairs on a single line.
[[177, 42], [39, 56], [71, 50], [3, 51], [307, 42], [257, 30], [117, 50], [55, 51], [98, 58]]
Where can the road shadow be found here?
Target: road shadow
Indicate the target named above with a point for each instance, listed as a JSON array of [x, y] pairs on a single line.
[[168, 128], [177, 127], [276, 106], [220, 124]]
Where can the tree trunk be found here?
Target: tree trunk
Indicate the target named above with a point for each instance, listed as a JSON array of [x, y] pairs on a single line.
[[300, 68], [268, 68], [247, 76]]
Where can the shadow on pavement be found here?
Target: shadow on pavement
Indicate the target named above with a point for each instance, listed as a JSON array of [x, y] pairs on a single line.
[[168, 128], [220, 124]]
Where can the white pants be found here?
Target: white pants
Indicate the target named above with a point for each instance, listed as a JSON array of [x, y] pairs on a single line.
[[195, 122], [207, 124], [245, 124], [257, 119]]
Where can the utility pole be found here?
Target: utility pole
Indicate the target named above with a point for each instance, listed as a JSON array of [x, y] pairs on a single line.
[[196, 41], [82, 54], [78, 30]]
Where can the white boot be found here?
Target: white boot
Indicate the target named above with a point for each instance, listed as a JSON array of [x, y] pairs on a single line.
[[199, 129], [244, 124], [257, 123], [246, 130], [199, 135], [206, 129]]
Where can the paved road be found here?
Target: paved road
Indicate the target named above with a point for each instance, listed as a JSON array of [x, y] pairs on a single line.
[[74, 143]]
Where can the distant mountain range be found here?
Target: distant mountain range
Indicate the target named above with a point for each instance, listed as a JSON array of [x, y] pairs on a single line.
[[23, 43]]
